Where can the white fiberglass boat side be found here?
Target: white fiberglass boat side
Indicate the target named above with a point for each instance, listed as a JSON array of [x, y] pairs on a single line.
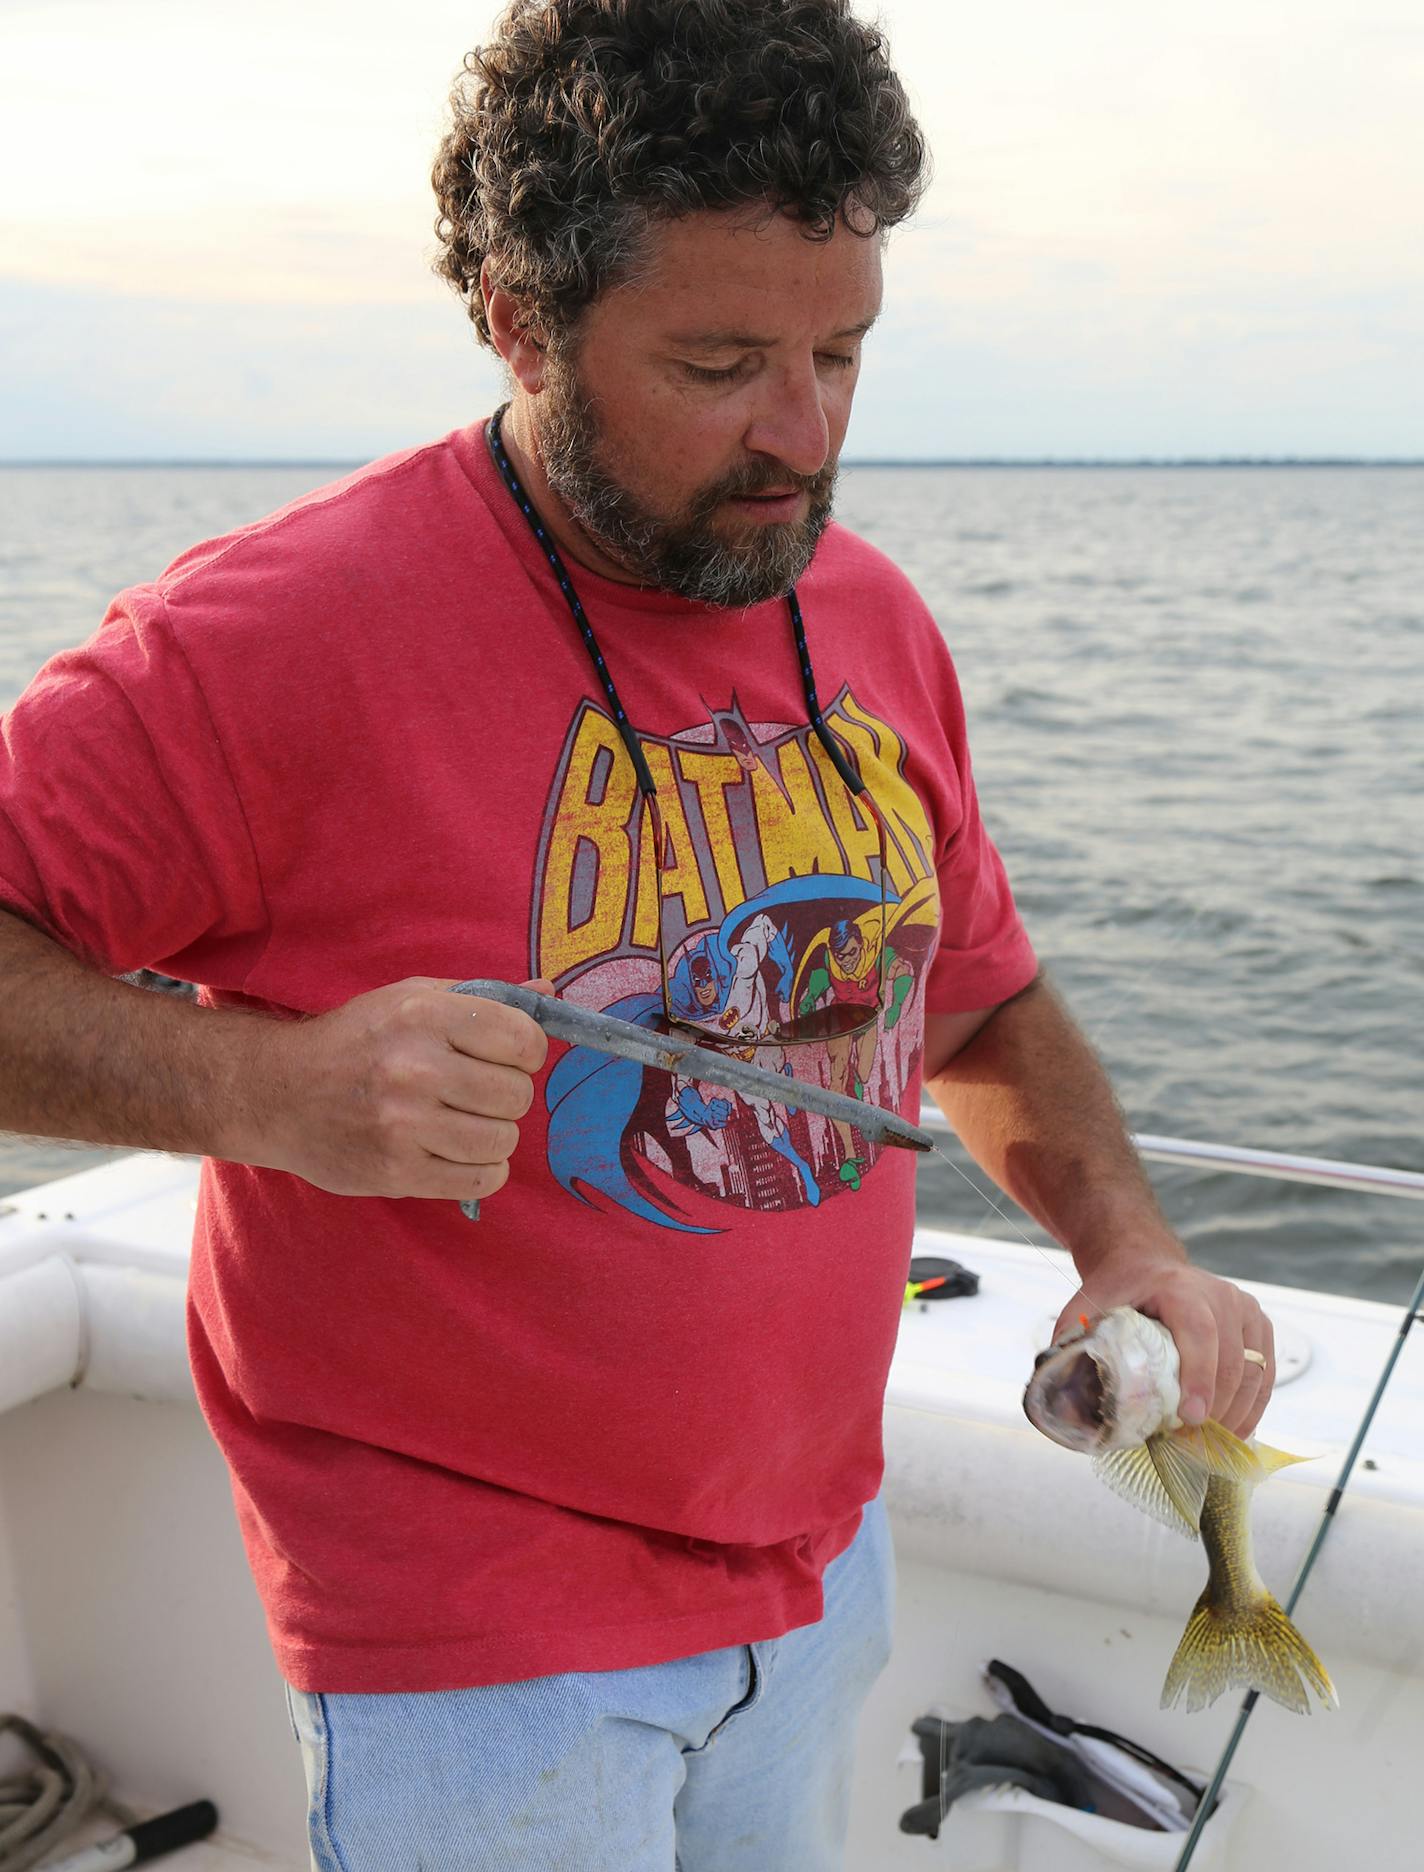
[[128, 1620]]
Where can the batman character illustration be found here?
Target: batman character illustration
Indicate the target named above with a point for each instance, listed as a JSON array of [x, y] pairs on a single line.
[[768, 908]]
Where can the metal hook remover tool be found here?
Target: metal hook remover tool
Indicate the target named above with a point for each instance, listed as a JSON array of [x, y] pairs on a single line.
[[679, 1053]]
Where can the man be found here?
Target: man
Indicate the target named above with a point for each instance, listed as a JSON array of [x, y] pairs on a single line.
[[566, 1524]]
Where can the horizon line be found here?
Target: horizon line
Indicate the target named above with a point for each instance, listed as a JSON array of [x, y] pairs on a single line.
[[855, 461]]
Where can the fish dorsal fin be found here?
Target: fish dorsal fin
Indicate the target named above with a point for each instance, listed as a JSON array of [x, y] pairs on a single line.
[[1214, 1448], [1135, 1474], [1269, 1460]]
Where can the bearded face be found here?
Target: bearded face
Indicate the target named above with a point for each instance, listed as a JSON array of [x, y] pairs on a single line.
[[700, 548]]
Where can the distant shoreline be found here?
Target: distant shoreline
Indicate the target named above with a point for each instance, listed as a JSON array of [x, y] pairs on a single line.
[[948, 461]]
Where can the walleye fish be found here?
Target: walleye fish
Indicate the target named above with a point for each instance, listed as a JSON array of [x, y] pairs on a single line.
[[1113, 1392]]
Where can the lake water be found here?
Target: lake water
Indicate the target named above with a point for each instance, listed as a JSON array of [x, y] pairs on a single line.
[[1197, 716]]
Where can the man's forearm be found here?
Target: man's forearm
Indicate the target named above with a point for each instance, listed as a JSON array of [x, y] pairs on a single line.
[[1030, 1101], [404, 1090], [99, 1061]]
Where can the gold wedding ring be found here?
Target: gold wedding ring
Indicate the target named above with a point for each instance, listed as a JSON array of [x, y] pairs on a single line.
[[1253, 1357]]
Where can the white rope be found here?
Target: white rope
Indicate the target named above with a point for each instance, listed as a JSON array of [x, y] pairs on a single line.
[[40, 1807]]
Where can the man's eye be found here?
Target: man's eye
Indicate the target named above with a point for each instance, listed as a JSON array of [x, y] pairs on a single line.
[[704, 375], [833, 360]]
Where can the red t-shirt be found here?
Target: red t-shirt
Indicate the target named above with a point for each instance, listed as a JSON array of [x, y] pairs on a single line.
[[632, 1412]]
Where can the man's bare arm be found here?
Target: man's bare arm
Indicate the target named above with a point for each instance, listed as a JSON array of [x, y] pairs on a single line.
[[1032, 1104], [405, 1091]]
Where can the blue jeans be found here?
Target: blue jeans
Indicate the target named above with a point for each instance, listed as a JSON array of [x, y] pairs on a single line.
[[736, 1760]]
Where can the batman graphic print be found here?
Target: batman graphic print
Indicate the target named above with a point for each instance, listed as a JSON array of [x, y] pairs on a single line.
[[769, 906]]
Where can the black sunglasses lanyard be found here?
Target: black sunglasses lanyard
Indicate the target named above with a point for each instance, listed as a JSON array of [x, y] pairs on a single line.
[[580, 617]]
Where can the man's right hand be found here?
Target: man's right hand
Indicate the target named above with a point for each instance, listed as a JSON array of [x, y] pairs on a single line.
[[406, 1091]]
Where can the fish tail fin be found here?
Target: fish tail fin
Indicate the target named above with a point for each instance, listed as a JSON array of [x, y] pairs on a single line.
[[1251, 1647]]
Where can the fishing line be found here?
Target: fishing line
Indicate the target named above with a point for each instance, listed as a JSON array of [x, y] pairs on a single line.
[[944, 1156], [940, 1152], [1099, 1028]]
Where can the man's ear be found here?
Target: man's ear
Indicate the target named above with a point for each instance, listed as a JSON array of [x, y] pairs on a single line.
[[516, 338]]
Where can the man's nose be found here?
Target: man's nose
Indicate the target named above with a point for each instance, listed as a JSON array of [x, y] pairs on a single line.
[[790, 426]]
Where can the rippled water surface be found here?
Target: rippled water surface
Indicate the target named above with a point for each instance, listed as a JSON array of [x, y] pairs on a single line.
[[1197, 717]]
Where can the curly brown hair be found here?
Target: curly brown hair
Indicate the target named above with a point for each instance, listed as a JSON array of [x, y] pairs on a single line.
[[585, 121]]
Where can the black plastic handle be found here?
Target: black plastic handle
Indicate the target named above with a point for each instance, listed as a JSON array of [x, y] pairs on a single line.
[[165, 1833]]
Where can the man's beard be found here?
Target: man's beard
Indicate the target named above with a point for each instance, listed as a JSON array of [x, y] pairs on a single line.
[[682, 553]]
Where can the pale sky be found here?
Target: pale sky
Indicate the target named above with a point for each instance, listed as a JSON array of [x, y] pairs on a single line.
[[1153, 231]]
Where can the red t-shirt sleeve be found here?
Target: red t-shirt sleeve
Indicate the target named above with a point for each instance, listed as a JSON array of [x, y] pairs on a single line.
[[121, 834], [984, 953]]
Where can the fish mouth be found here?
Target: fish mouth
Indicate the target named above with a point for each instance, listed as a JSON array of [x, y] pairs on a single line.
[[1079, 1397], [1070, 1401]]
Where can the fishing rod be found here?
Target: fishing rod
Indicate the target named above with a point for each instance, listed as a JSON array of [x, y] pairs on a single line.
[[1208, 1800]]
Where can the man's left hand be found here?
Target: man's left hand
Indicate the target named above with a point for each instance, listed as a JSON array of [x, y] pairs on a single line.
[[1212, 1321]]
